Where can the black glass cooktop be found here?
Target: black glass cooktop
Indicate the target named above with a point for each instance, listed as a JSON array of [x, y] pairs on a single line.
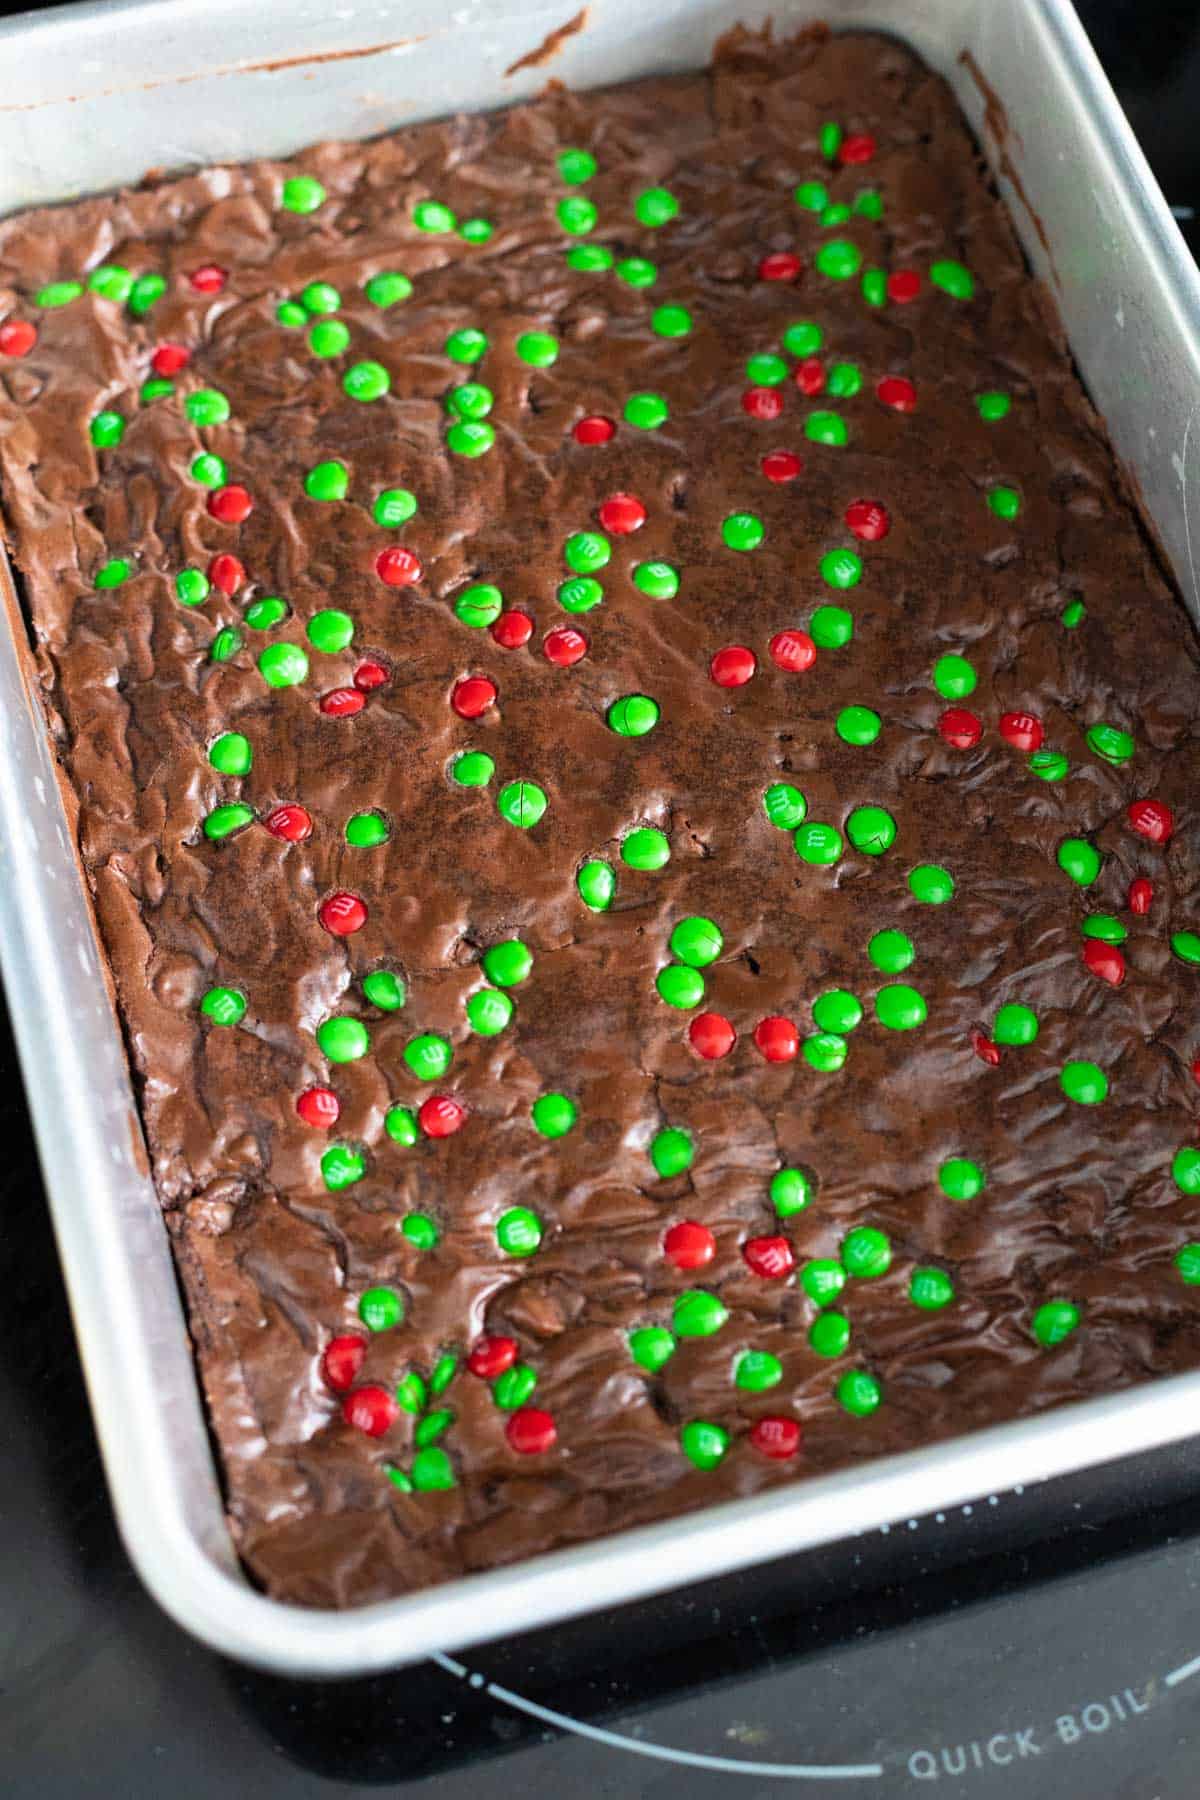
[[1041, 1642]]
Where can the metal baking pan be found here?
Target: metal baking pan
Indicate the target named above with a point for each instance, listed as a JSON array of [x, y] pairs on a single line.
[[95, 96]]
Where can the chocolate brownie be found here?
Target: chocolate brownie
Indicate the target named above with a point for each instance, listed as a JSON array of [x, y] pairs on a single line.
[[638, 775]]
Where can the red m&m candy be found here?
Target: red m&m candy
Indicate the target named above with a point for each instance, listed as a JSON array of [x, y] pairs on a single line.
[[341, 1360], [343, 702], [209, 278], [868, 520], [777, 1039], [530, 1431], [1024, 731], [232, 505], [513, 629], [793, 650], [622, 513], [370, 1409], [1141, 896], [857, 147], [17, 337], [711, 1036], [903, 285], [771, 1257], [491, 1356], [776, 1437], [564, 646], [319, 1107], [289, 822], [369, 675], [780, 265], [985, 1049], [594, 429], [1104, 960], [960, 727], [762, 403], [473, 696], [398, 567], [690, 1246], [168, 359], [733, 667], [1152, 819], [226, 572], [896, 391], [781, 465], [342, 914], [440, 1116], [810, 375]]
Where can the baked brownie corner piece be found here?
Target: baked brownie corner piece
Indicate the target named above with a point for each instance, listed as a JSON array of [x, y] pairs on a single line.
[[639, 778]]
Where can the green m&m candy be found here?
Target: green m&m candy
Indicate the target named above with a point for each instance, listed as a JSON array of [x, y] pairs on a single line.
[[1186, 946], [961, 1179], [859, 1392], [597, 884], [837, 1011], [637, 271], [825, 1051], [1073, 614], [1054, 1321], [537, 348], [387, 288], [1005, 502], [697, 941], [428, 1431], [208, 470], [554, 1115], [804, 338], [330, 631], [400, 1123], [930, 1289], [831, 627], [431, 215], [952, 278], [742, 531], [428, 1056], [366, 830], [191, 587], [145, 291], [302, 194], [589, 259], [766, 369], [845, 380], [231, 754], [871, 830], [671, 1152], [283, 665], [839, 259], [366, 381], [479, 605], [579, 594], [381, 1309], [225, 645], [655, 206], [1111, 743], [522, 803], [757, 1370], [633, 715], [646, 411], [812, 196], [576, 215], [829, 1334], [784, 805], [1080, 860], [224, 821], [704, 1444], [822, 1280], [869, 204], [508, 964], [474, 768], [680, 986], [432, 1470], [586, 551], [111, 282], [264, 613], [519, 1231], [1105, 926], [698, 1313], [826, 428], [671, 321], [58, 293], [791, 1191], [931, 884], [891, 951], [657, 579], [1185, 1170], [900, 1008], [1048, 765], [489, 1011], [817, 843], [858, 725], [515, 1387], [576, 166], [384, 989], [224, 1006], [1084, 1082], [466, 345], [320, 298], [341, 1166], [343, 1039], [1187, 1262], [993, 405], [106, 430], [954, 677], [327, 481], [647, 848], [330, 337], [412, 1395], [866, 1252], [155, 389], [206, 407], [291, 314], [1015, 1024], [476, 231], [651, 1347]]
